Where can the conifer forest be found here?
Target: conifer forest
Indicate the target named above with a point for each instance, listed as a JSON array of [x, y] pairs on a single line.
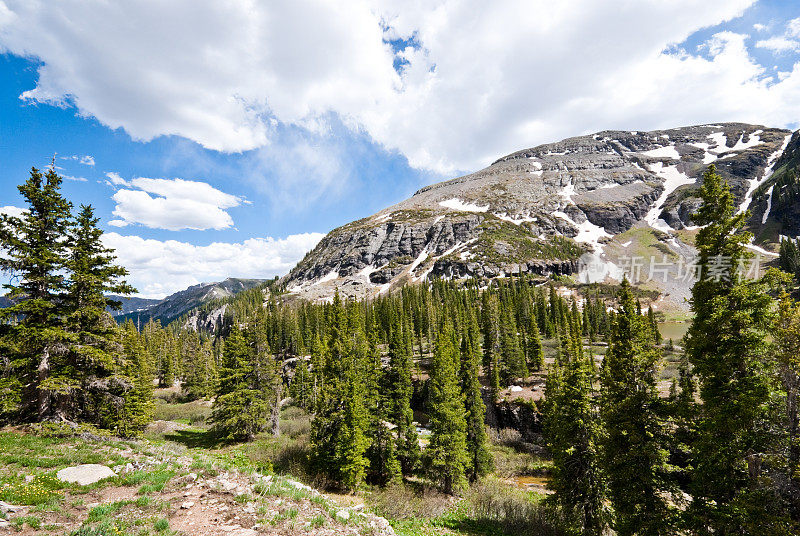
[[402, 398]]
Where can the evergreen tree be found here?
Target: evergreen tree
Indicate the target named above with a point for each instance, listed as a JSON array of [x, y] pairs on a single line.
[[787, 357], [93, 361], [479, 461], [573, 437], [241, 409], [535, 351], [447, 450], [36, 255], [134, 405], [401, 391], [513, 360], [726, 346], [634, 450]]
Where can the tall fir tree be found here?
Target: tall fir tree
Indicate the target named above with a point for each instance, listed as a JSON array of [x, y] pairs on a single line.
[[635, 445], [727, 348], [573, 434], [479, 459], [36, 254], [92, 363], [447, 450], [241, 408], [401, 390]]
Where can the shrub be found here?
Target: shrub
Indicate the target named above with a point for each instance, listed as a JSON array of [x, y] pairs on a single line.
[[514, 511]]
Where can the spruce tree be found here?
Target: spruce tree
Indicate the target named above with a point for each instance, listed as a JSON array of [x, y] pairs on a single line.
[[93, 361], [479, 461], [241, 409], [135, 406], [634, 449], [726, 346], [400, 392], [447, 450], [787, 359], [36, 255], [573, 434], [535, 350]]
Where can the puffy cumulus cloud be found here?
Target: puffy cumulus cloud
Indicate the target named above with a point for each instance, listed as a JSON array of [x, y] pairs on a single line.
[[209, 71], [475, 83], [175, 204], [158, 268]]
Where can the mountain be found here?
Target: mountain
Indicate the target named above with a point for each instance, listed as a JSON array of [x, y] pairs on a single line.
[[175, 305], [580, 206], [130, 305]]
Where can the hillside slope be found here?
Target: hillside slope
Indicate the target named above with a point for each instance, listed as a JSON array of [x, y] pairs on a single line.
[[175, 305], [541, 210]]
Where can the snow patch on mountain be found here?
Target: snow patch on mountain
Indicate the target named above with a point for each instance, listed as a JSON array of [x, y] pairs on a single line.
[[673, 179], [457, 204], [668, 151]]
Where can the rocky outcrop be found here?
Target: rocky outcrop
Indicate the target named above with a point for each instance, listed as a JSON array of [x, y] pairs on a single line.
[[539, 210]]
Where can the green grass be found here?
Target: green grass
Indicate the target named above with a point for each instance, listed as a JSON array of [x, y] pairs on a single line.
[[99, 513], [193, 413]]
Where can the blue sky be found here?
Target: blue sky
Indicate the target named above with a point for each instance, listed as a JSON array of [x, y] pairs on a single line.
[[223, 141]]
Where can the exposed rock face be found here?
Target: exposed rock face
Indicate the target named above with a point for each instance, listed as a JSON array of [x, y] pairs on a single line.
[[538, 210], [175, 305]]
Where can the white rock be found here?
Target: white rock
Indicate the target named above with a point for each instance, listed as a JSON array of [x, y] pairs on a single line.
[[187, 504], [86, 474], [343, 515], [516, 388], [7, 508]]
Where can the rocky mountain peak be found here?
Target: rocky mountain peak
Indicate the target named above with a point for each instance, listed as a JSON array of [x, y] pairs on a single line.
[[540, 209]]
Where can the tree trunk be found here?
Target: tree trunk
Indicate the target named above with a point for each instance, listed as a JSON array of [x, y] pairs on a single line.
[[43, 373]]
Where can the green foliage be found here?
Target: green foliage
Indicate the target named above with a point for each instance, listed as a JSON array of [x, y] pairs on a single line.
[[62, 356], [727, 348], [635, 446], [573, 437], [244, 401], [447, 451]]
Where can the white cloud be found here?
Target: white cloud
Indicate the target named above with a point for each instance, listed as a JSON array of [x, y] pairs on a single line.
[[86, 160], [793, 27], [12, 211], [158, 268], [175, 204], [481, 83], [114, 179], [779, 44], [76, 179], [760, 27]]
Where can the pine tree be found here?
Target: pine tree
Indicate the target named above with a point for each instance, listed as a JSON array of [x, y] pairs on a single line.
[[400, 390], [573, 437], [651, 317], [787, 357], [135, 405], [93, 359], [447, 450], [513, 360], [634, 450], [479, 460], [726, 346], [36, 255], [241, 409], [535, 351]]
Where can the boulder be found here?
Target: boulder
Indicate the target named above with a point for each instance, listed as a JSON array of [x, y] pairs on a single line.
[[85, 474]]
